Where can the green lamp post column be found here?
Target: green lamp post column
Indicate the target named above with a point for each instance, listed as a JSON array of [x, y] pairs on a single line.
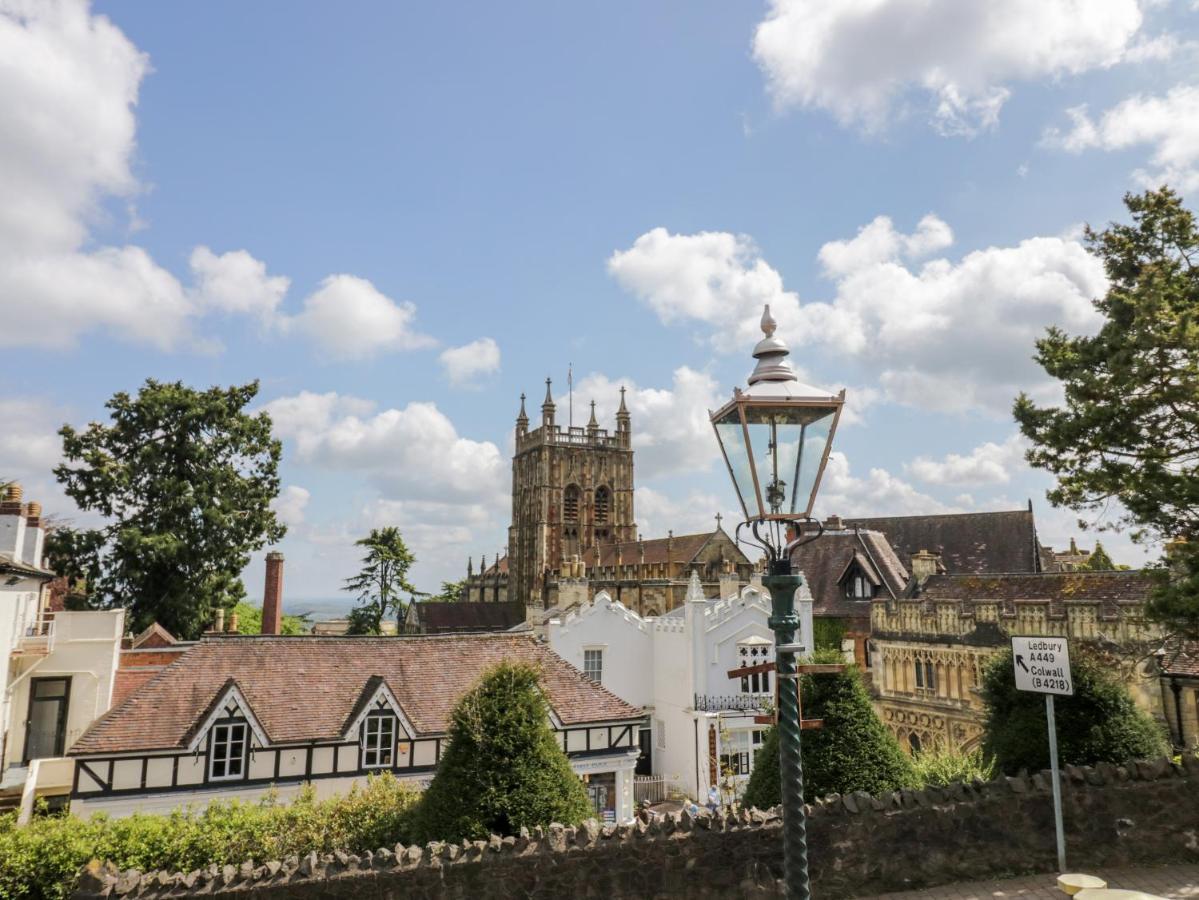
[[775, 437]]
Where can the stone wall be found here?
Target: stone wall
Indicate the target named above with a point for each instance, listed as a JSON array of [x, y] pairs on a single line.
[[1141, 813]]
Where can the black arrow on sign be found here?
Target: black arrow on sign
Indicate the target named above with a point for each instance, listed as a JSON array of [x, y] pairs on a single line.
[[1020, 662]]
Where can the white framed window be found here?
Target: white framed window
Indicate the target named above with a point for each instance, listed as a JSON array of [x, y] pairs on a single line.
[[227, 750], [378, 740], [749, 655], [593, 665]]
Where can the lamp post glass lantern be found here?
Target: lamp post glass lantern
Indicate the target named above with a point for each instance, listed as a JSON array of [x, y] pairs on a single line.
[[775, 437]]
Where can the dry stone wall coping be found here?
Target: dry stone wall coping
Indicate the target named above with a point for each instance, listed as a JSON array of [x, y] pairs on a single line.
[[857, 845]]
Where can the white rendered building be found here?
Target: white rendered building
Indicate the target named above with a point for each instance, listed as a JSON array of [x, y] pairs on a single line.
[[58, 668], [702, 729]]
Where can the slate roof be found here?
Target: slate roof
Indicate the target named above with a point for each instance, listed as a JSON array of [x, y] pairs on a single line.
[[1110, 589], [682, 549], [10, 563], [968, 542], [823, 562], [303, 688], [438, 618]]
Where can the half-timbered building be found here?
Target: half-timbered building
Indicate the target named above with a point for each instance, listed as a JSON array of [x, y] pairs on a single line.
[[236, 716]]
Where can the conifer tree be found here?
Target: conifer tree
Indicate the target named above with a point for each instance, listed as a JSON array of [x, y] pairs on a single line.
[[1099, 723], [384, 574], [503, 769], [853, 751]]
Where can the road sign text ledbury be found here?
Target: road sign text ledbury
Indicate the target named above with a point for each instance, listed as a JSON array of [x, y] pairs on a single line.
[[1042, 665]]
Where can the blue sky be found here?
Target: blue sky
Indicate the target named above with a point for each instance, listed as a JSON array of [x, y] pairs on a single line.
[[334, 202]]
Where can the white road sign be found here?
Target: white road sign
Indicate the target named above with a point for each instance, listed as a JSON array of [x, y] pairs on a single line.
[[1042, 665]]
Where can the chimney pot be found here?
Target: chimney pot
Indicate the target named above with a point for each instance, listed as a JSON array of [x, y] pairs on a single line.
[[272, 596], [218, 624]]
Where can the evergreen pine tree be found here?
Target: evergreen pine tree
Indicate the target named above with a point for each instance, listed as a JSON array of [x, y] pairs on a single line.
[[503, 769], [854, 751], [1099, 723]]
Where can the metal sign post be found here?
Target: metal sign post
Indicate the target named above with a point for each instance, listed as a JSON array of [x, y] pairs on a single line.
[[1042, 666]]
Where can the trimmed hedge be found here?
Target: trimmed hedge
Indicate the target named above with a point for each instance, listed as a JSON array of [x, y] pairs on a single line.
[[854, 751], [503, 769], [43, 859], [1100, 723]]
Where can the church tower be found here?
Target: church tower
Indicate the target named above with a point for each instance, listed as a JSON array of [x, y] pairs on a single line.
[[572, 489]]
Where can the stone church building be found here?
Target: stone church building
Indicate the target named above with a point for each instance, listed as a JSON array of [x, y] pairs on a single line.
[[574, 530]]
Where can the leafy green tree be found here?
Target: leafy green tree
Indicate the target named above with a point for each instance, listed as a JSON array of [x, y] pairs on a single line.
[[384, 575], [504, 769], [451, 592], [853, 751], [185, 479], [1099, 723], [77, 556], [1099, 561], [249, 621], [1128, 430]]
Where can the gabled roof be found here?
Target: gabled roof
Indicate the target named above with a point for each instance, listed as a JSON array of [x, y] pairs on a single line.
[[973, 543], [825, 563], [304, 688], [460, 616], [680, 548], [1181, 659]]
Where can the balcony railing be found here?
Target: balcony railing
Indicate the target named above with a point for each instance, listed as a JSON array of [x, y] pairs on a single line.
[[733, 703], [37, 639]]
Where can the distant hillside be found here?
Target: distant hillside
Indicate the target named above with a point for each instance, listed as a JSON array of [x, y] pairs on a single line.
[[319, 610]]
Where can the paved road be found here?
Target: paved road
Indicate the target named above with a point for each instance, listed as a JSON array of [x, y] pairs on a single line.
[[1179, 882]]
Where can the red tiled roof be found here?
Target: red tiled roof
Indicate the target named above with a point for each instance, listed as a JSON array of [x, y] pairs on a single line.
[[303, 688], [127, 681], [1181, 659], [500, 567]]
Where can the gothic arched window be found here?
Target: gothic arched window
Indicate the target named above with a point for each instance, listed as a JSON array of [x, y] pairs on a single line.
[[914, 744], [603, 505], [570, 504]]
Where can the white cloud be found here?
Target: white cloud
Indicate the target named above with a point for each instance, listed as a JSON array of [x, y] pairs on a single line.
[[672, 434], [862, 60], [349, 318], [236, 282], [289, 506], [29, 442], [694, 513], [414, 453], [950, 336], [463, 365], [1169, 124], [68, 86], [713, 277], [988, 463], [878, 494], [879, 242]]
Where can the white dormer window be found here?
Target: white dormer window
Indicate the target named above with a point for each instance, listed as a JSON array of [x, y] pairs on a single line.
[[378, 740], [227, 746]]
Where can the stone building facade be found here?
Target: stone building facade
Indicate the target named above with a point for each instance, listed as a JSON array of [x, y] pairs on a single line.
[[930, 647], [574, 534]]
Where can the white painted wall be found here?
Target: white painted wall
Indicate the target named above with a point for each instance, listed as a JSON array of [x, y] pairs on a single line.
[[86, 648], [661, 664], [20, 603]]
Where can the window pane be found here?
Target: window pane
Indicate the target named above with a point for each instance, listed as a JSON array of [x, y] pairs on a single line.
[[45, 688]]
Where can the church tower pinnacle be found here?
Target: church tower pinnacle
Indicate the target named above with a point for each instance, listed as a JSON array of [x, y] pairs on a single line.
[[522, 420], [547, 408]]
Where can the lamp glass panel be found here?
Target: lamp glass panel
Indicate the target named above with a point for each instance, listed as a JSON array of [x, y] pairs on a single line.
[[732, 442], [787, 446]]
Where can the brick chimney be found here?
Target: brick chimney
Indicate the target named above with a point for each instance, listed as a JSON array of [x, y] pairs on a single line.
[[833, 523], [272, 595]]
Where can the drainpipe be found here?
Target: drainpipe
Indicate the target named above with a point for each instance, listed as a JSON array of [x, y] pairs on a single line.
[[1177, 689], [695, 721]]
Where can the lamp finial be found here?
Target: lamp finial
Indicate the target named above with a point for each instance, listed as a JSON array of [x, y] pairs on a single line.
[[768, 323]]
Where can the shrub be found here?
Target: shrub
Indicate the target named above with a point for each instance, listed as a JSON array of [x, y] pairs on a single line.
[[42, 859], [1099, 723], [503, 769], [939, 766], [854, 751]]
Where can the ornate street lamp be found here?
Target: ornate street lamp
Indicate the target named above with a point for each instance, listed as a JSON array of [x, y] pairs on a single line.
[[775, 437]]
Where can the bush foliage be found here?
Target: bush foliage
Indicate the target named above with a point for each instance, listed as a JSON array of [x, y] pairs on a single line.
[[938, 766], [1099, 723], [852, 752], [503, 769], [43, 859]]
